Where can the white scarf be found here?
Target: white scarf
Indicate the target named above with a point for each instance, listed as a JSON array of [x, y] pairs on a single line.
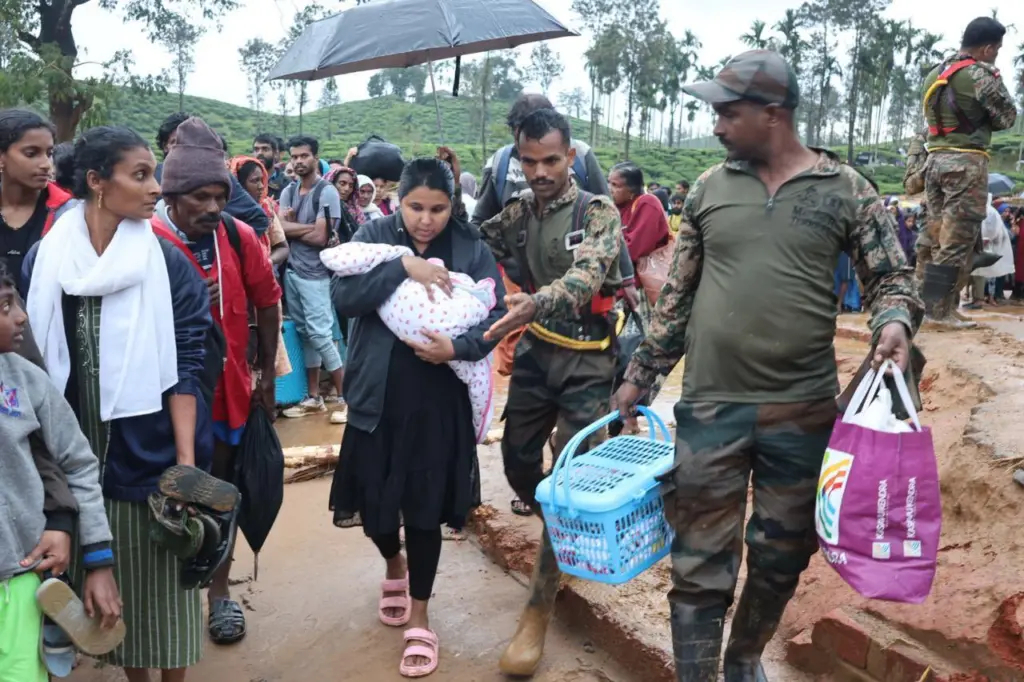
[[137, 354]]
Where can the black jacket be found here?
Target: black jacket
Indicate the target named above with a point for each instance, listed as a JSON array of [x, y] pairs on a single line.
[[370, 341]]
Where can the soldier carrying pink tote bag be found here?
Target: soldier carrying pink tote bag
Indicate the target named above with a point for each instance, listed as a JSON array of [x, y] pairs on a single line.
[[879, 510]]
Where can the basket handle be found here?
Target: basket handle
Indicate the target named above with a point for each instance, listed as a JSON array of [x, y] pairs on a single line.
[[564, 465]]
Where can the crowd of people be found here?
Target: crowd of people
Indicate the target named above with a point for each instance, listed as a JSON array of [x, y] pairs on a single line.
[[141, 326]]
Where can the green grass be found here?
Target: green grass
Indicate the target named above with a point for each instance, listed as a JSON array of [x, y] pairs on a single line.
[[413, 126]]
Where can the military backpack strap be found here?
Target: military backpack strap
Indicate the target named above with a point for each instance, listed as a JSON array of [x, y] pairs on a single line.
[[515, 238]]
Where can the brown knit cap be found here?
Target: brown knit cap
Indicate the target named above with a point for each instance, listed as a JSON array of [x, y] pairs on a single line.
[[195, 160]]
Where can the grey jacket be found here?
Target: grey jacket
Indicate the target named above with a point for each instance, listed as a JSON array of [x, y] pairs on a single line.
[[370, 341], [30, 403]]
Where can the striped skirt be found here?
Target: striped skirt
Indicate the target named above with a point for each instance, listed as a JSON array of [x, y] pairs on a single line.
[[164, 622]]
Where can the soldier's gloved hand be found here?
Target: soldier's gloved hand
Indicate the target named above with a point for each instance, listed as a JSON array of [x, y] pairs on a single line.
[[624, 400]]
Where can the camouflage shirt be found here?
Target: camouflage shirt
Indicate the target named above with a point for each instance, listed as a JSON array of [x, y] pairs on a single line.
[[983, 98], [917, 154], [567, 296], [749, 297]]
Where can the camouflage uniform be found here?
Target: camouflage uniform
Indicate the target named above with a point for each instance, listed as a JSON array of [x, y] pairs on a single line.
[[917, 156], [721, 444], [552, 385], [956, 175]]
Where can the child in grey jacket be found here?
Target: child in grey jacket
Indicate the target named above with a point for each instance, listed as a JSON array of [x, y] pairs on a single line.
[[31, 404]]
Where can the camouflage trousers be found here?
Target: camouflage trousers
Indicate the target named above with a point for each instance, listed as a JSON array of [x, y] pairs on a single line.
[[956, 185], [549, 387], [720, 448]]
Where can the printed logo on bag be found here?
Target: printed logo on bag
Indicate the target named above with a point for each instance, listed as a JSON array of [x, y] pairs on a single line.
[[835, 470], [881, 550], [912, 549], [9, 403]]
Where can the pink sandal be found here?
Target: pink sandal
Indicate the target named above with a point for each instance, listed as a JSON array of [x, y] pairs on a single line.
[[395, 602], [419, 642]]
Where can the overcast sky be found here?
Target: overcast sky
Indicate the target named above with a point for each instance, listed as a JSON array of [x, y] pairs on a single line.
[[717, 24]]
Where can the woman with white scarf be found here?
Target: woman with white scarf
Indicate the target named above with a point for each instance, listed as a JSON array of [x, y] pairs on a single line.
[[367, 194], [122, 323], [996, 239]]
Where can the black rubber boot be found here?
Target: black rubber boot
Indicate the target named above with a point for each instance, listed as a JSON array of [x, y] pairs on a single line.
[[939, 292], [753, 625], [697, 642]]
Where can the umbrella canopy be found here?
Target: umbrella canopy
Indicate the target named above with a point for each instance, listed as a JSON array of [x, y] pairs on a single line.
[[400, 33], [999, 184]]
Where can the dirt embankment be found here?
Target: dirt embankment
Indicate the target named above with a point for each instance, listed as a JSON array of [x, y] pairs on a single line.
[[970, 627]]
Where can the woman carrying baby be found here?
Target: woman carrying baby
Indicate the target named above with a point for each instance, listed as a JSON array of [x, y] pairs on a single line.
[[409, 450]]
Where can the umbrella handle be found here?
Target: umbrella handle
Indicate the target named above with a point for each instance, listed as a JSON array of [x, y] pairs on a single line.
[[458, 76]]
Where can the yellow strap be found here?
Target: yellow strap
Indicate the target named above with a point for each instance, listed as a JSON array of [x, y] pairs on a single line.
[[554, 339], [959, 150], [939, 82]]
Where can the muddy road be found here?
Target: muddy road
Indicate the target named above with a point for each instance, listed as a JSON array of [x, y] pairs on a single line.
[[312, 614]]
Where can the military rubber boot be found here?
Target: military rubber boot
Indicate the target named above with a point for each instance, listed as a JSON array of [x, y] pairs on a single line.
[[696, 641], [523, 653], [753, 625], [940, 297]]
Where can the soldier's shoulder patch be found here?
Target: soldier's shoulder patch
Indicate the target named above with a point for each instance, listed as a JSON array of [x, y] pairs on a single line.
[[714, 170]]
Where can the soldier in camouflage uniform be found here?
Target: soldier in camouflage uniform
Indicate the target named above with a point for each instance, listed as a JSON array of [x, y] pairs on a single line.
[[566, 243], [749, 301], [917, 156], [965, 101]]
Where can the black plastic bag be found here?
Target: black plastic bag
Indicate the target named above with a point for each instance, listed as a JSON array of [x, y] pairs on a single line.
[[258, 473], [626, 343], [378, 158]]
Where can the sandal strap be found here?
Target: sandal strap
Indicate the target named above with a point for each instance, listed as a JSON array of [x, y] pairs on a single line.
[[396, 585], [421, 635], [394, 603], [419, 650]]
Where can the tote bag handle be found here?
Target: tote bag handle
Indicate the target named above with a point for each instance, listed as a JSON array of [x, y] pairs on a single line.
[[869, 387]]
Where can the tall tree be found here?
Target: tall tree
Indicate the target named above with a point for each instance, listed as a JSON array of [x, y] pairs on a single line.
[[755, 37], [257, 57], [330, 98], [574, 101], [545, 66], [300, 21], [47, 46], [180, 38], [596, 15]]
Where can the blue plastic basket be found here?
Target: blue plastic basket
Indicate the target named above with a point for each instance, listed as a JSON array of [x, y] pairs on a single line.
[[291, 388], [603, 509]]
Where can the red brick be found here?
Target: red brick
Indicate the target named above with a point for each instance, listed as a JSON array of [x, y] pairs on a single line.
[[839, 634], [844, 672], [902, 661], [803, 655]]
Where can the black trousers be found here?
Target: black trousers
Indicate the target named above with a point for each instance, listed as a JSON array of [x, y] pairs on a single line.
[[423, 553]]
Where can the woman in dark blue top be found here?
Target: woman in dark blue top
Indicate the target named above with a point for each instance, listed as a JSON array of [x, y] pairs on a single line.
[[409, 450]]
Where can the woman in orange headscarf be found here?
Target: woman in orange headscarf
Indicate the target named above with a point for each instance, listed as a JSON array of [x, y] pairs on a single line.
[[256, 181]]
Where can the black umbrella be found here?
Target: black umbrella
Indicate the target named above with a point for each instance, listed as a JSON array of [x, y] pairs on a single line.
[[400, 33], [259, 475]]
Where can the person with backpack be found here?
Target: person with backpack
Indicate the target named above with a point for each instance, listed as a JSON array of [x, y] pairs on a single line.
[[122, 322], [238, 275], [310, 209], [965, 101], [29, 201], [566, 242]]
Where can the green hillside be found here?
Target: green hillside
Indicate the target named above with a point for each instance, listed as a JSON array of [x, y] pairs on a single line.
[[413, 125]]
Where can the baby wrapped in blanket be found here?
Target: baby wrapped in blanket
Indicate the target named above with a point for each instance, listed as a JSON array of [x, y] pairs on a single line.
[[409, 310]]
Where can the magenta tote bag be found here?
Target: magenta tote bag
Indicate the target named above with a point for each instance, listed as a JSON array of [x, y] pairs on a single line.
[[878, 512]]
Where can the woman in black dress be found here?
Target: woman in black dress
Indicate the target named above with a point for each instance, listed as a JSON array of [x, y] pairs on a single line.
[[409, 450]]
